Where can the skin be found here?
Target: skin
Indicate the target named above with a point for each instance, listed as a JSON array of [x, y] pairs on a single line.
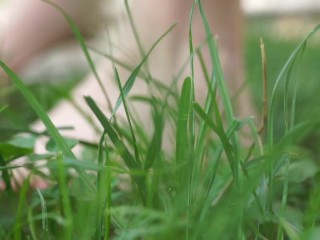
[[34, 26]]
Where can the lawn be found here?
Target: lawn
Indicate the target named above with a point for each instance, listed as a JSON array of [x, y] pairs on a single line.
[[211, 187]]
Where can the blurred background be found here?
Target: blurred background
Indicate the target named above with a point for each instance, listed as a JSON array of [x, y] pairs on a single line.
[[281, 25]]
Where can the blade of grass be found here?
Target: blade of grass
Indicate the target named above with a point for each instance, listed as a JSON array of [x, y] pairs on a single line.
[[215, 160], [222, 135], [20, 210], [226, 100], [182, 137], [287, 65], [132, 78], [208, 108], [100, 189], [287, 68], [31, 221], [129, 160], [264, 117], [134, 140], [215, 60], [159, 85], [284, 195], [108, 197], [290, 112], [65, 198], [154, 149], [192, 53], [191, 48], [127, 157]]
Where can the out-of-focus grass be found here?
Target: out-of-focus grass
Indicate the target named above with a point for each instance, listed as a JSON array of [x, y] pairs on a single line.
[[19, 114], [213, 188]]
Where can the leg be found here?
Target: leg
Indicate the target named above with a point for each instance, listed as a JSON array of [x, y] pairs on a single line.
[[30, 26]]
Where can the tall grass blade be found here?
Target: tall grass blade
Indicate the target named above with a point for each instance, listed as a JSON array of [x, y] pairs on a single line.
[[65, 198], [223, 90], [134, 140], [107, 174], [285, 68], [123, 151], [222, 135], [289, 113], [154, 149], [183, 138], [21, 208], [132, 78], [100, 189], [215, 60]]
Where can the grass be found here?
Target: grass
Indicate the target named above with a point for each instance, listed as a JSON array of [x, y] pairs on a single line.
[[128, 187]]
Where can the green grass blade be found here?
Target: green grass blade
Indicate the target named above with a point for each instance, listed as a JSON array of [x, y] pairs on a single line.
[[287, 65], [191, 48], [183, 144], [65, 198], [21, 207], [107, 174], [270, 124], [100, 189], [222, 135], [134, 140], [203, 130], [31, 225], [289, 113], [154, 149], [128, 159], [133, 76], [203, 115], [225, 96], [182, 124], [215, 60]]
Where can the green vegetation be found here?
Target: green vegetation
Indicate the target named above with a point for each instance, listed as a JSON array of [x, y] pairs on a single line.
[[213, 186]]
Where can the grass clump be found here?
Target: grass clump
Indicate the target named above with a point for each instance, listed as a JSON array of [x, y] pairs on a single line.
[[213, 187]]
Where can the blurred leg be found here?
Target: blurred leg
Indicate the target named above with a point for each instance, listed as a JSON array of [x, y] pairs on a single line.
[[30, 26], [35, 26]]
